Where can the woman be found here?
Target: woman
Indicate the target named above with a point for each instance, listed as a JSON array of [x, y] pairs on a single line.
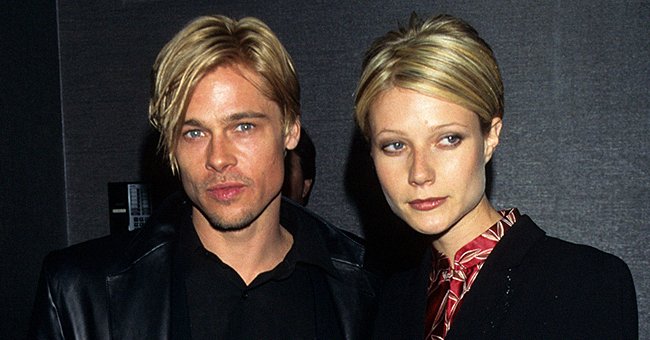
[[430, 102]]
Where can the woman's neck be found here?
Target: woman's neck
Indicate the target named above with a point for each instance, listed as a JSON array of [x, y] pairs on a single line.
[[470, 226]]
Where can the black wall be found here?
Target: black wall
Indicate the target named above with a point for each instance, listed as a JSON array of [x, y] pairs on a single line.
[[574, 153], [32, 195]]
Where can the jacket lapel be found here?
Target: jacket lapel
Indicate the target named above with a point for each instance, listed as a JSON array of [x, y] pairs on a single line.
[[142, 291], [139, 298], [350, 291], [487, 303]]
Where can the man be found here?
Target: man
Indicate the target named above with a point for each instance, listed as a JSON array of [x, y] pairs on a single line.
[[300, 170], [229, 259]]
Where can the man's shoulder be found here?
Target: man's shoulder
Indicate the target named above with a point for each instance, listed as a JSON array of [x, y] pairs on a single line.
[[338, 241], [345, 249], [108, 254], [89, 257]]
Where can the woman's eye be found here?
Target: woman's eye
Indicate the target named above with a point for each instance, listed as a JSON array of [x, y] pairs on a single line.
[[243, 127], [451, 140], [193, 134], [393, 147]]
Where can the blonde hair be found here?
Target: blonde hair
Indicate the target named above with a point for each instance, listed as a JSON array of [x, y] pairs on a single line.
[[442, 57], [204, 44]]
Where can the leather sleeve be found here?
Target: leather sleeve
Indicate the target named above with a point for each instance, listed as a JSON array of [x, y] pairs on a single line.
[[44, 322]]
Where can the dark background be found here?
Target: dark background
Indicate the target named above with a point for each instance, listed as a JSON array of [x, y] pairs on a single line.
[[574, 153]]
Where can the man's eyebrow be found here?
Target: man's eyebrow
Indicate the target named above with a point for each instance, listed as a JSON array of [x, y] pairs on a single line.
[[231, 118], [247, 115], [192, 122]]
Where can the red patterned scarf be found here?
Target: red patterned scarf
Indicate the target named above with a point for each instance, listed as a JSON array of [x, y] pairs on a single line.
[[447, 286]]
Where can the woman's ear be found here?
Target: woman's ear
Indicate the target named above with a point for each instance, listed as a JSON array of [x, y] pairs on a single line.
[[492, 138]]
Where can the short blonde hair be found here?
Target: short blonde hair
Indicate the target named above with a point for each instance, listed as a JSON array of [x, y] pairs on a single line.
[[442, 57], [204, 44]]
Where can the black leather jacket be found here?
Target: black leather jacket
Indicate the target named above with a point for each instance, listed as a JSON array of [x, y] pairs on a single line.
[[121, 287]]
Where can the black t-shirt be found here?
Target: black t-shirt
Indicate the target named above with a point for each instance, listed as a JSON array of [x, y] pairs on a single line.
[[292, 301]]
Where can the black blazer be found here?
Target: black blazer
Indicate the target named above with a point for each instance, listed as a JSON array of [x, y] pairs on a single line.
[[531, 287], [122, 287]]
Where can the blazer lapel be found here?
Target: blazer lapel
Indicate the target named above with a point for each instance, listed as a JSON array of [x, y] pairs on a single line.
[[485, 306]]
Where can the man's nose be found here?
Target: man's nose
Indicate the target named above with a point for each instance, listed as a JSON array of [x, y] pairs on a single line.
[[220, 154]]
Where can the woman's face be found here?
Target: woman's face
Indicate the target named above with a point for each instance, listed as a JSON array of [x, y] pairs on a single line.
[[430, 158]]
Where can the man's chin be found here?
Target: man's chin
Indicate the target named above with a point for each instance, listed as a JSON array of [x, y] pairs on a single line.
[[227, 228], [223, 225]]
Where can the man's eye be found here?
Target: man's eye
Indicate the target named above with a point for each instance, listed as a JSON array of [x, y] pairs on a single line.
[[193, 134], [393, 147], [243, 127]]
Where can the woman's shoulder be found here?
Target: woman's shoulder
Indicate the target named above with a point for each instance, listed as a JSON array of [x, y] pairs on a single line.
[[569, 254], [525, 237]]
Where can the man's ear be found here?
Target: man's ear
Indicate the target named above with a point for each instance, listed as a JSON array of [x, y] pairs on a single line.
[[492, 138], [292, 136]]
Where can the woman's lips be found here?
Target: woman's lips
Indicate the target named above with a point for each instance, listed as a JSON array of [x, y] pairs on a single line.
[[427, 203]]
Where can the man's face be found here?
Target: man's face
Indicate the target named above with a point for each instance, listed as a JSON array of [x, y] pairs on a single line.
[[230, 152]]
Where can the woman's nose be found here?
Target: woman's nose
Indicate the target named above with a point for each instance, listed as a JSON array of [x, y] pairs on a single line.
[[421, 170]]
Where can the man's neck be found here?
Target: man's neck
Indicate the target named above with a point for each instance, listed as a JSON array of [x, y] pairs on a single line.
[[251, 251]]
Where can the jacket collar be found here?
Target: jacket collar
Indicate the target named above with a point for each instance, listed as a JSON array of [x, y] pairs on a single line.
[[309, 245], [487, 303], [159, 230], [142, 291]]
